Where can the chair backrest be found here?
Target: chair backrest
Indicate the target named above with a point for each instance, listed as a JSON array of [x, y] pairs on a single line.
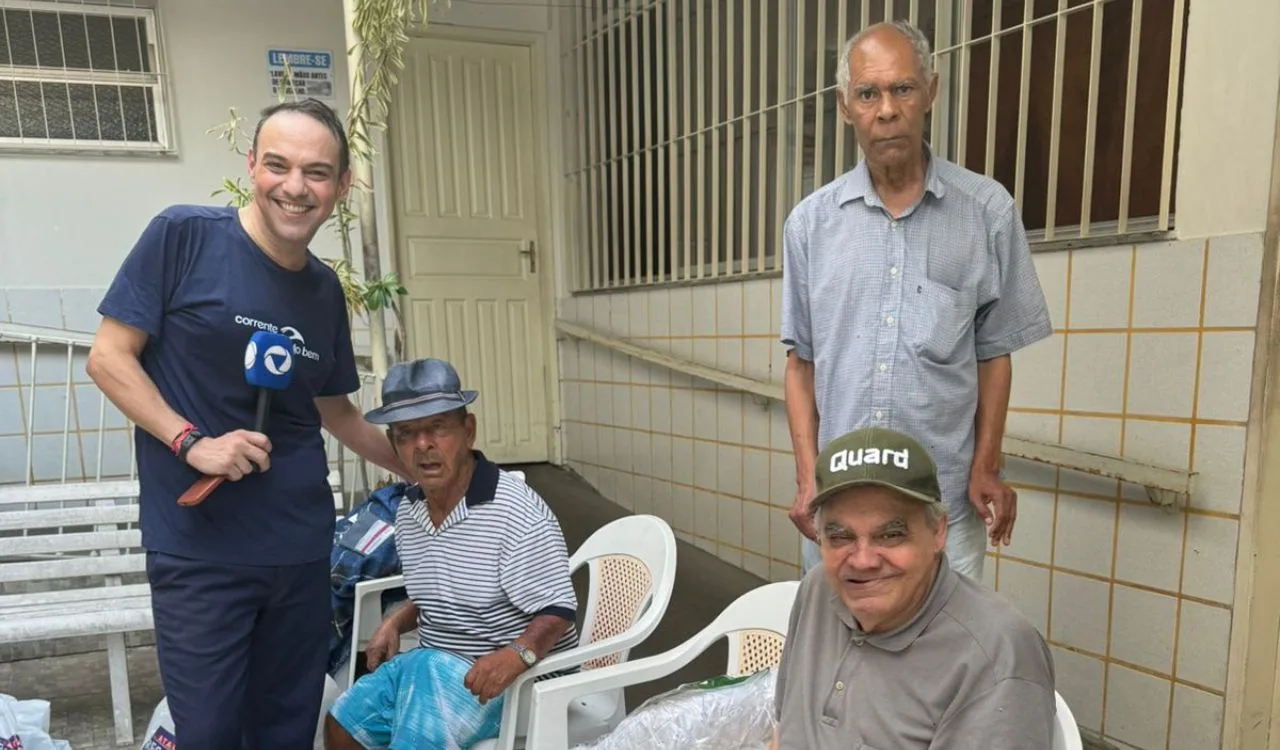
[[632, 566], [1066, 733], [755, 625]]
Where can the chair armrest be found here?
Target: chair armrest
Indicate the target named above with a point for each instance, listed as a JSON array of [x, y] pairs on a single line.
[[549, 703], [363, 592], [364, 588]]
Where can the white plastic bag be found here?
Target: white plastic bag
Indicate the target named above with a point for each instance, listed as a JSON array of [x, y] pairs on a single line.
[[25, 725], [724, 713]]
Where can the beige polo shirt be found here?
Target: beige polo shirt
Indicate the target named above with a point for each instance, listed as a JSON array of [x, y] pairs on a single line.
[[969, 672]]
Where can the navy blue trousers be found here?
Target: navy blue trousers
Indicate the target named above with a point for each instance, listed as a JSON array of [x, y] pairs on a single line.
[[242, 651]]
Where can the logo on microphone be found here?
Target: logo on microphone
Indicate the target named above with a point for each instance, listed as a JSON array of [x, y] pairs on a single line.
[[277, 360]]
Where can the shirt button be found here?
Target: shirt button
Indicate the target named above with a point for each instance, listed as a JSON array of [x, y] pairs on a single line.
[[894, 223], [893, 271], [889, 320], [840, 686], [879, 415], [883, 367]]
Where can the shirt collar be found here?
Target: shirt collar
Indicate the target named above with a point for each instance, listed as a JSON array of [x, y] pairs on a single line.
[[944, 585], [482, 489], [857, 182]]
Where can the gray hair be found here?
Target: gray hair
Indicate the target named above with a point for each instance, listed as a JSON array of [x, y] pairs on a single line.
[[919, 43]]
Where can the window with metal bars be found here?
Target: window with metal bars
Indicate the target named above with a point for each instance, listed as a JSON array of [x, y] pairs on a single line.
[[693, 127], [76, 76]]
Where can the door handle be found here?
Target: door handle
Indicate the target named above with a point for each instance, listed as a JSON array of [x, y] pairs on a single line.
[[531, 252]]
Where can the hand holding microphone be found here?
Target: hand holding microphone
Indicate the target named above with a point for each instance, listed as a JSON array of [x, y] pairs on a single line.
[[268, 366]]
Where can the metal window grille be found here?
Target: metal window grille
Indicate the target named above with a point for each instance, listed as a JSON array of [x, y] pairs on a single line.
[[693, 127], [80, 76]]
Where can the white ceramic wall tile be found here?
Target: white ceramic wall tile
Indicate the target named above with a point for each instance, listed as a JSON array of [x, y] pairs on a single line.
[[779, 430], [1137, 707], [784, 538], [642, 453], [756, 565], [775, 291], [704, 310], [782, 479], [662, 457], [662, 500], [1162, 373], [682, 348], [659, 306], [1085, 534], [1033, 531], [681, 315], [1033, 426], [705, 471], [660, 409], [604, 403], [1233, 279], [1219, 460], [1204, 636], [705, 419], [1226, 369], [729, 470], [1095, 372], [1167, 282], [641, 408], [1197, 719], [1028, 588], [1029, 473], [757, 308], [1209, 570], [35, 307], [705, 514], [731, 555], [729, 416], [1163, 443], [729, 355], [779, 571], [1079, 614], [1100, 288], [80, 309], [681, 412], [755, 475], [586, 361], [777, 363], [755, 423], [1079, 679], [601, 308], [1051, 269], [1149, 546], [705, 352], [622, 406], [682, 459], [756, 356], [1037, 379], [682, 507], [641, 495], [755, 528], [729, 520], [1142, 627], [728, 308], [1097, 434]]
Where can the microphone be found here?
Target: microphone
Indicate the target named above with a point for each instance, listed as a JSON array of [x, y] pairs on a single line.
[[268, 366]]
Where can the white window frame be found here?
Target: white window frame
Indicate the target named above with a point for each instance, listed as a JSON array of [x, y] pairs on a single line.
[[155, 80]]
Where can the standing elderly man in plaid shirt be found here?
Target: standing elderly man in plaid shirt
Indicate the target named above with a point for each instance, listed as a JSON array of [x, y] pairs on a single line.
[[907, 285]]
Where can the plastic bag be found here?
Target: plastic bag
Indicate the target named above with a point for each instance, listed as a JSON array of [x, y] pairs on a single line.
[[723, 713], [25, 725]]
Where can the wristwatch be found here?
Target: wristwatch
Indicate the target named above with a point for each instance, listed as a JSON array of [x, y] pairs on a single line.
[[526, 654]]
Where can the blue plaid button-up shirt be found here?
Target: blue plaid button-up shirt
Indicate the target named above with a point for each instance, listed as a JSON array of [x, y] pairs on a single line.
[[895, 314]]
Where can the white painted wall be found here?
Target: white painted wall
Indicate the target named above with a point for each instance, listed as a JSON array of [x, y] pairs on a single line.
[[68, 221]]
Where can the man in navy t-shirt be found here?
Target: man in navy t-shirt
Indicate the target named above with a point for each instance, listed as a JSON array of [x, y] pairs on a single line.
[[239, 582]]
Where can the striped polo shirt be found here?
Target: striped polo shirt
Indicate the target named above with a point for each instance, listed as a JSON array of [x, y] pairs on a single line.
[[497, 561]]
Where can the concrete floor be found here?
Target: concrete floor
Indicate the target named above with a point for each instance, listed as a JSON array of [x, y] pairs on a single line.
[[77, 684]]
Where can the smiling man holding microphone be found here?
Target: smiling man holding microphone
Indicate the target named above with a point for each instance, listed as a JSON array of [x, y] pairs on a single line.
[[239, 578]]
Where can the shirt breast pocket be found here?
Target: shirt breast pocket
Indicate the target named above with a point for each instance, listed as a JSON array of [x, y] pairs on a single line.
[[944, 320]]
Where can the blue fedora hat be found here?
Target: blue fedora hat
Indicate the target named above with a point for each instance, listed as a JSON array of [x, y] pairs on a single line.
[[418, 389]]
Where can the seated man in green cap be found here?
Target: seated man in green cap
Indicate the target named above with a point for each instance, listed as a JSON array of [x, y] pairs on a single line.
[[888, 647]]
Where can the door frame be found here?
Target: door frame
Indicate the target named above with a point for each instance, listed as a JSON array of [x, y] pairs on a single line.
[[548, 239], [1251, 713]]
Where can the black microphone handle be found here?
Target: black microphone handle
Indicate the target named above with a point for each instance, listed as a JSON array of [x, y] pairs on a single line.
[[264, 403]]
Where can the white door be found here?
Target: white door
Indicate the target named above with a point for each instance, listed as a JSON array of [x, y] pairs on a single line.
[[466, 222]]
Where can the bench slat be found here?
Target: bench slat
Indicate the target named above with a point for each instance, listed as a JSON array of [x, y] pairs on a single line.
[[17, 520], [72, 567], [54, 493], [74, 609], [49, 543], [57, 598], [119, 620]]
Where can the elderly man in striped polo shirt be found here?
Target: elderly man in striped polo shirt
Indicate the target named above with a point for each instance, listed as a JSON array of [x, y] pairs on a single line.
[[907, 284], [487, 574]]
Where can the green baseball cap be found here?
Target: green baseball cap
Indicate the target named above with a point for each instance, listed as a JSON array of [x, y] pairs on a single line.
[[876, 456]]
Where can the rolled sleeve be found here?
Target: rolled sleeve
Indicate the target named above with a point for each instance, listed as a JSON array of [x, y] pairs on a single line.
[[1016, 315], [534, 571], [795, 329]]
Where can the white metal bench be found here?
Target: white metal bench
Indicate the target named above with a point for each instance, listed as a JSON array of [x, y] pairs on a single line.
[[83, 535]]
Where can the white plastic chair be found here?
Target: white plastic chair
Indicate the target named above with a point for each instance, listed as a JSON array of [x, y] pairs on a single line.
[[1066, 733], [754, 623], [632, 566]]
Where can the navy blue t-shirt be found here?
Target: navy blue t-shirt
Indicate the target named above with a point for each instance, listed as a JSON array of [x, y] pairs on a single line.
[[199, 287]]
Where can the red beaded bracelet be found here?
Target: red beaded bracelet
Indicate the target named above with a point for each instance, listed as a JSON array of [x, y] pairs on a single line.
[[176, 444]]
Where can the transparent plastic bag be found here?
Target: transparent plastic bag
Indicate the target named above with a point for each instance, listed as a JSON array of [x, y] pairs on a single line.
[[25, 724], [723, 713]]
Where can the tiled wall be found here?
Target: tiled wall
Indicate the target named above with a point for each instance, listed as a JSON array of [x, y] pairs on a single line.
[[1151, 358]]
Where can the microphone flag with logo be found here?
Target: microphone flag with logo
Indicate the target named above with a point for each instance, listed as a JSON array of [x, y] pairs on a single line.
[[268, 366]]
